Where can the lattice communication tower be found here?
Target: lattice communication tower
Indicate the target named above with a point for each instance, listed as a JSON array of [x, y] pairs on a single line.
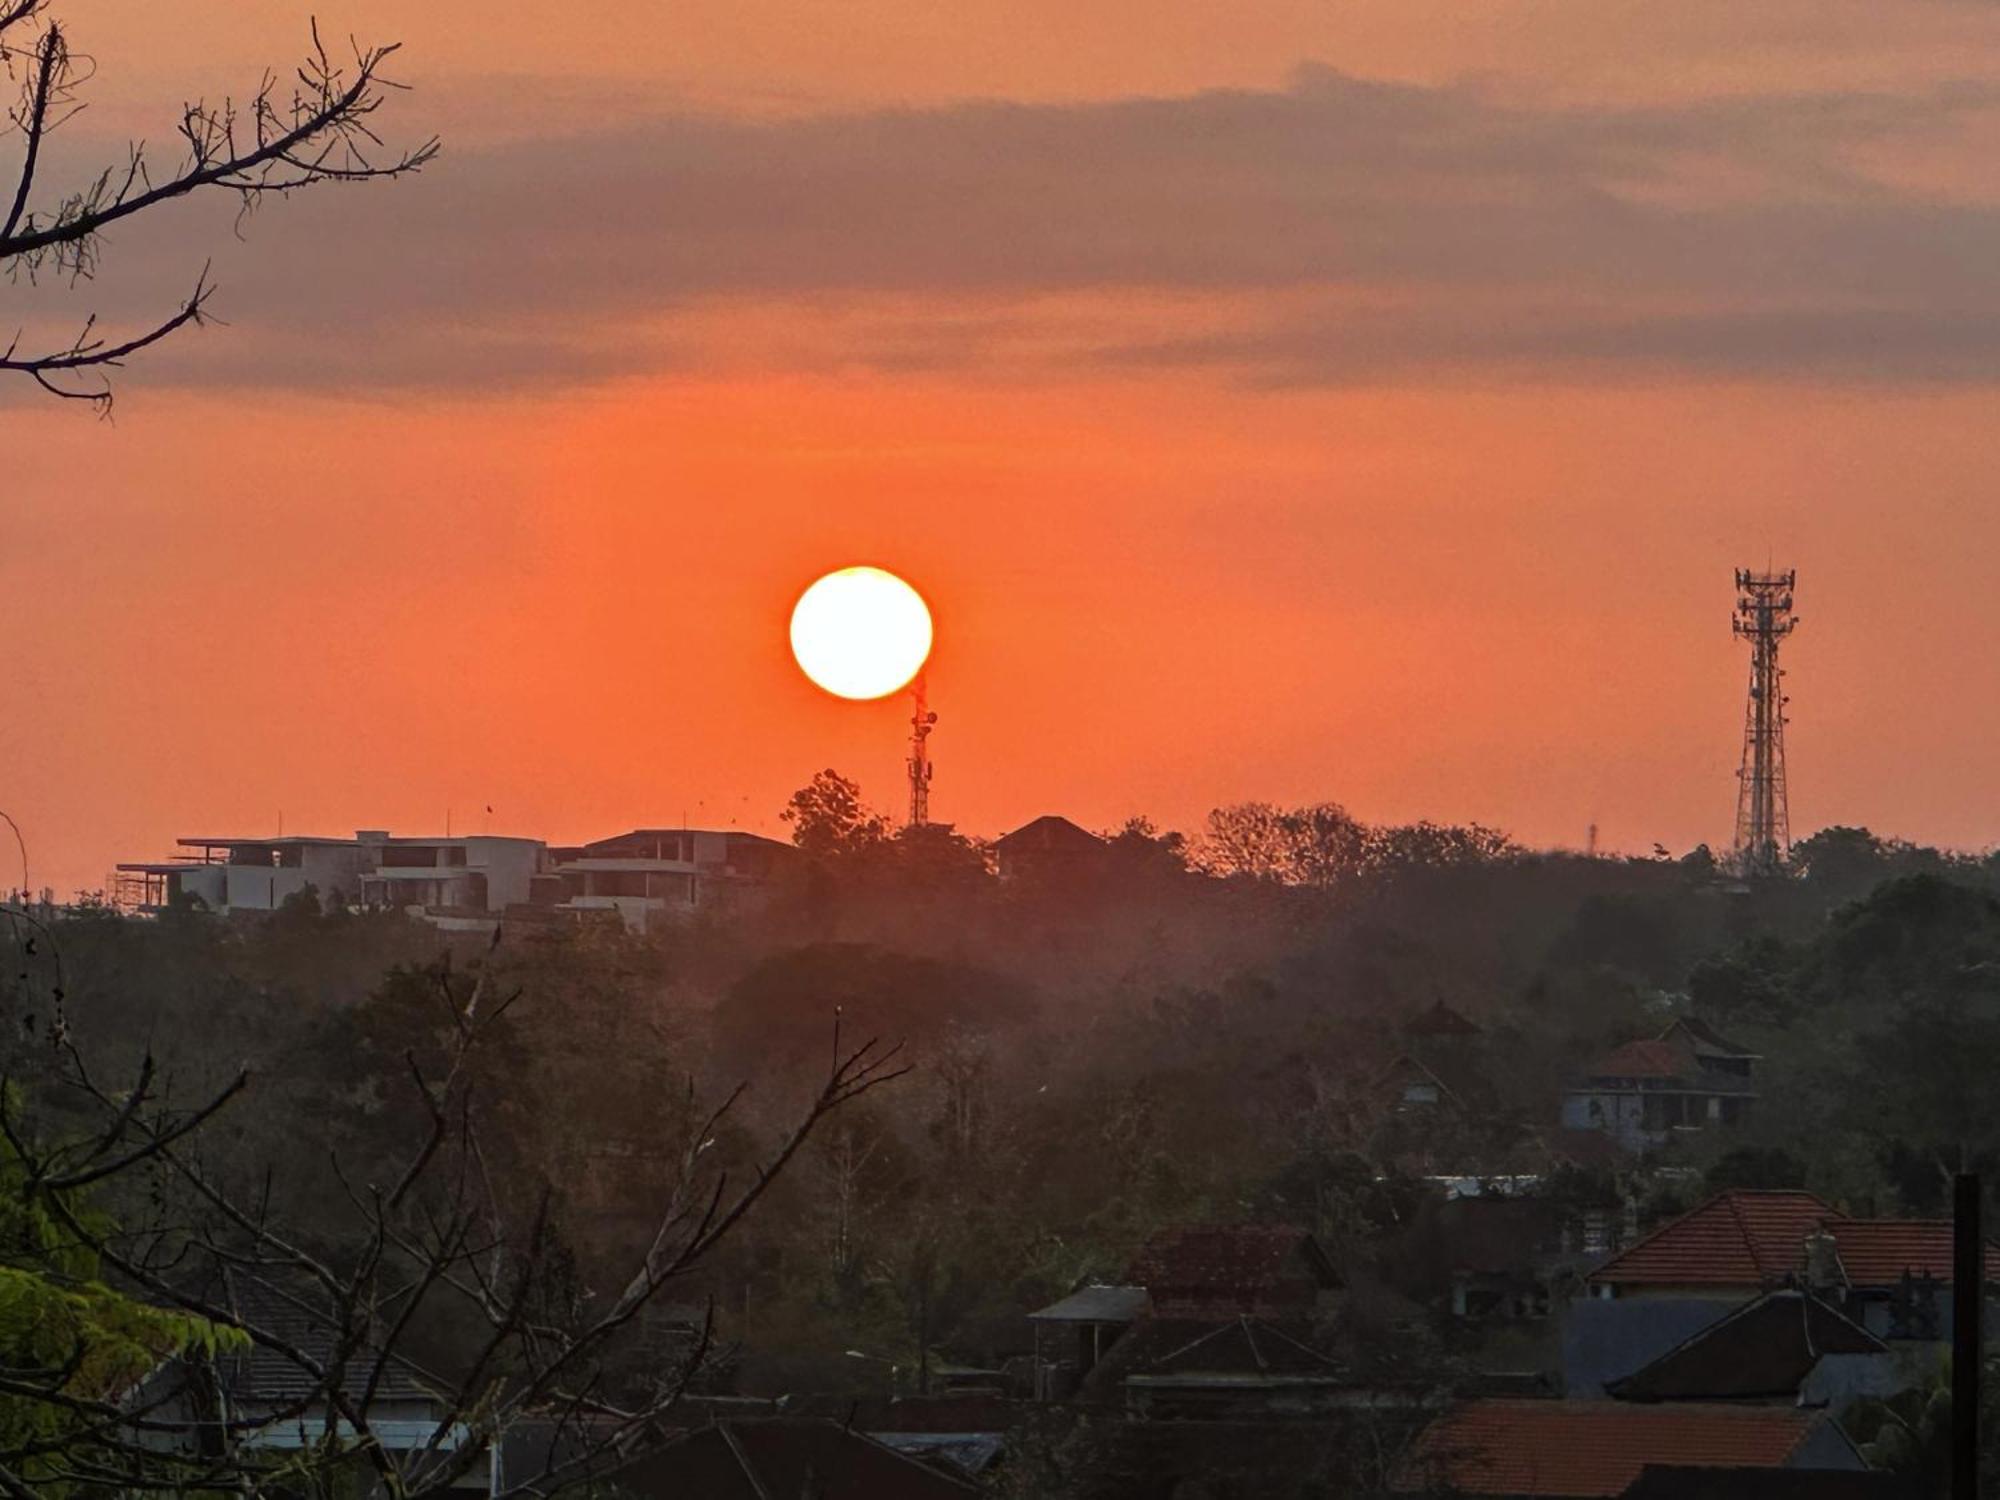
[[1763, 825], [921, 722]]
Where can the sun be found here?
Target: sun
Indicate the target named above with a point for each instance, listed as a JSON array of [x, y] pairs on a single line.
[[861, 633]]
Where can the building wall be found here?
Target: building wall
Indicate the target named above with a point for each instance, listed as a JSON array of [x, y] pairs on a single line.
[[209, 882], [335, 869], [1826, 1447], [260, 887], [509, 865], [1606, 1340]]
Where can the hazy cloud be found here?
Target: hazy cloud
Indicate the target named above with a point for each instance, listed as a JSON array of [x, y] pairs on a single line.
[[1352, 230]]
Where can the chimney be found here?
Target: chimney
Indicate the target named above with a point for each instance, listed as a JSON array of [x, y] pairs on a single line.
[[1822, 1262]]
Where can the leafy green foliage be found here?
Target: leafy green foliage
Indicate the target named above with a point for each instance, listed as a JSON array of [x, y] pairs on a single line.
[[67, 1339]]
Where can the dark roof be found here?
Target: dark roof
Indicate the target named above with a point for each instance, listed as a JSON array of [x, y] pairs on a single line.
[[1439, 1020], [1236, 1260], [264, 1375], [1687, 1482], [953, 1412], [1244, 1346], [642, 835], [1742, 1238], [1594, 1448], [1765, 1348], [1095, 1304], [1049, 834], [1707, 1040], [776, 1458], [1606, 1338]]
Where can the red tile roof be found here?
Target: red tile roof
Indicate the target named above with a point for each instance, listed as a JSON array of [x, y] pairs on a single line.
[[1594, 1448], [1876, 1252], [1654, 1059], [1751, 1239], [1245, 1262], [1743, 1238]]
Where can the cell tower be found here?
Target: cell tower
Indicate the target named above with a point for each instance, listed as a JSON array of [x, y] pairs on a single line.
[[1763, 826], [921, 720]]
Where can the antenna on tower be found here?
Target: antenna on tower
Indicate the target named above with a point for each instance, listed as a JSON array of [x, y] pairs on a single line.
[[921, 720], [1763, 823]]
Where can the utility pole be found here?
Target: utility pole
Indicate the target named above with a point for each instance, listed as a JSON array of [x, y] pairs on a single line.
[[1763, 823], [1968, 1341]]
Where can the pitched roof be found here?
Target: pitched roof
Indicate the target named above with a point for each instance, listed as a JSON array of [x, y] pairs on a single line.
[[1440, 1020], [265, 1376], [1243, 1347], [1238, 1259], [1050, 832], [768, 1457], [1756, 1238], [1707, 1039], [1643, 1059], [1876, 1252], [1765, 1348], [1095, 1304], [1594, 1448], [1742, 1238]]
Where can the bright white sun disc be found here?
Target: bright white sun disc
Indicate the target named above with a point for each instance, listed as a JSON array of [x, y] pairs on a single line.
[[861, 633]]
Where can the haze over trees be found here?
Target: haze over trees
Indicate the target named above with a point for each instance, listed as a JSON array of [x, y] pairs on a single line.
[[1190, 1031]]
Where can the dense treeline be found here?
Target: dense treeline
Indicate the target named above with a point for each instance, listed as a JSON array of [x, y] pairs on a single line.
[[1187, 1029]]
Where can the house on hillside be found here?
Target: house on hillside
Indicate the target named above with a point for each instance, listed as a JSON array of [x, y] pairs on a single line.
[[650, 875], [1214, 1320], [274, 1401], [244, 874], [1515, 1450], [455, 884], [1892, 1277], [1645, 1093], [1244, 1368], [1049, 848], [1072, 1335]]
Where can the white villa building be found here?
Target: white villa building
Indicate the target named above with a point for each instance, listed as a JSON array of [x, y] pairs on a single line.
[[462, 884]]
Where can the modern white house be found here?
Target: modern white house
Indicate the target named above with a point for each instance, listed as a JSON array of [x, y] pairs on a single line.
[[244, 874], [465, 883], [458, 884], [658, 874]]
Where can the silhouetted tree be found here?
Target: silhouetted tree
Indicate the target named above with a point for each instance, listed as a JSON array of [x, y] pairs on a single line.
[[1320, 845], [829, 818]]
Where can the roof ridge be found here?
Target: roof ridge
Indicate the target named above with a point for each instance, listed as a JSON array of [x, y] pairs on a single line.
[[1749, 1239], [1192, 1344], [1710, 1203], [743, 1461], [1809, 1427], [1250, 1338]]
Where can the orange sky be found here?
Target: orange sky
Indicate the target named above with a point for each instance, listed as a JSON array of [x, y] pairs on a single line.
[[1282, 401]]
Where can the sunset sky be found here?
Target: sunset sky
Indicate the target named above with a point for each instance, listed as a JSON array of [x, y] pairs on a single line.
[[1277, 399]]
